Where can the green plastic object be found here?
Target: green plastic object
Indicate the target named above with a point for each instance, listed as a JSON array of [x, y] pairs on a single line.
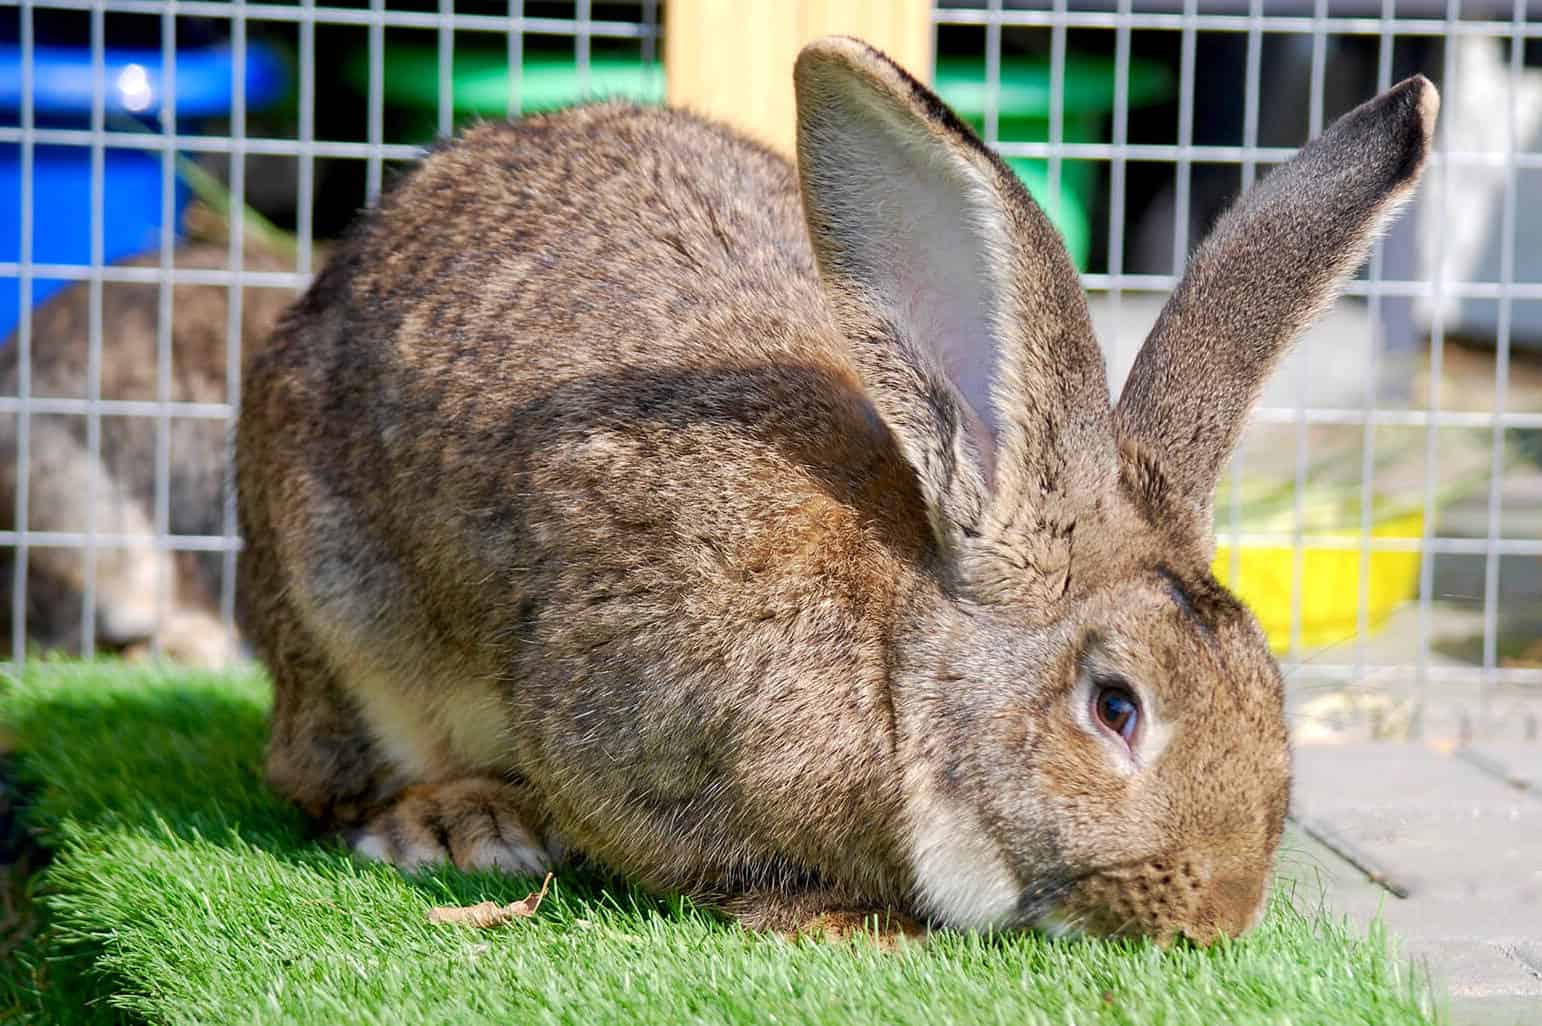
[[1024, 95], [481, 88], [480, 79], [1023, 115]]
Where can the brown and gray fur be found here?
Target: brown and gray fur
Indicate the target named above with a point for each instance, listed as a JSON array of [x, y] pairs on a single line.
[[767, 535], [63, 473]]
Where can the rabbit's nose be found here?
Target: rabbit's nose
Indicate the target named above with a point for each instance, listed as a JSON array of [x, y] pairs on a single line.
[[1232, 904]]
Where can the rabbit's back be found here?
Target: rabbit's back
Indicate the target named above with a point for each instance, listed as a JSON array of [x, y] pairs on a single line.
[[620, 289], [636, 230]]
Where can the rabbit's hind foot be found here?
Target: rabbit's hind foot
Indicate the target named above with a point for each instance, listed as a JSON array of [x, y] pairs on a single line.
[[473, 824]]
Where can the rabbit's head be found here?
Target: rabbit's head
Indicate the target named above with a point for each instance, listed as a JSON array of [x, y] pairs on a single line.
[[1095, 726]]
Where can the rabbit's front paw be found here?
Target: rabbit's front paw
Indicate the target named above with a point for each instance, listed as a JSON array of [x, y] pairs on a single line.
[[473, 824]]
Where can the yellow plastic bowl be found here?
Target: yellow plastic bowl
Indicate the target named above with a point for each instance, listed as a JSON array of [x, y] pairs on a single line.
[[1330, 583]]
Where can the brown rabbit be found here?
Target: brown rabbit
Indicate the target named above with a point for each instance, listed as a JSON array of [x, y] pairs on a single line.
[[63, 473], [611, 493]]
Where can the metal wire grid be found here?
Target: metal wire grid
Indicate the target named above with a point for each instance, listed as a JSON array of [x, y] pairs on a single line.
[[306, 147], [1189, 18], [1319, 21]]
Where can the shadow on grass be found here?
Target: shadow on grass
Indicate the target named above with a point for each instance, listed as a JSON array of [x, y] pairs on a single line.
[[163, 758], [104, 750]]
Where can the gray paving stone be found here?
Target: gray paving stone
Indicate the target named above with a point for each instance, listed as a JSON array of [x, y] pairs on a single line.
[[1492, 1011], [1425, 822], [1320, 879], [1426, 920], [1481, 970], [1529, 953], [1381, 775], [1456, 853], [1442, 917], [1518, 762], [1460, 839]]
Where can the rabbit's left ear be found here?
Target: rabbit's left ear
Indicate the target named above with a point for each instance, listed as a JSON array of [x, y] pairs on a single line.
[[961, 304], [1271, 264]]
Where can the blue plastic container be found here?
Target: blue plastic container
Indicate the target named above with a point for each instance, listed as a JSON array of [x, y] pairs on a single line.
[[131, 182]]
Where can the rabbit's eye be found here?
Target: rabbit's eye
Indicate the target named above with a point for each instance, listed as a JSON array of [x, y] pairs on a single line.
[[1116, 708]]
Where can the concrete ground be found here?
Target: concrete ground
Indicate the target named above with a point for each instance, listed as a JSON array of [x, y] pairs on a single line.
[[1445, 846]]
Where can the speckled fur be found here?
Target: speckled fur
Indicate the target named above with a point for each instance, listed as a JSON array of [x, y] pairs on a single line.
[[581, 470], [62, 470]]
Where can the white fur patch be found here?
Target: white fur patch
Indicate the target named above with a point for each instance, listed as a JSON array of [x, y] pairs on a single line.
[[427, 728], [960, 875], [519, 857], [419, 855], [513, 858], [373, 847]]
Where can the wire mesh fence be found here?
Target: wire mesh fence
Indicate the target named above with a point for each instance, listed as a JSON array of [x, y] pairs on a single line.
[[1384, 515]]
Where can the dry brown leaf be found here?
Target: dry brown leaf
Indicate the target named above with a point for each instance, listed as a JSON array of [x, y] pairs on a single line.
[[489, 913]]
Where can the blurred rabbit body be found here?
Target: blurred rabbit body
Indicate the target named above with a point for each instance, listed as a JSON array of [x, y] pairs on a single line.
[[66, 481]]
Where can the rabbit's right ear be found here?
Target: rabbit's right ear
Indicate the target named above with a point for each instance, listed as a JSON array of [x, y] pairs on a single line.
[[1271, 264], [963, 311]]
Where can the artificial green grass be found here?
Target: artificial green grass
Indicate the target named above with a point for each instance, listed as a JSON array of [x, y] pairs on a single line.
[[181, 891]]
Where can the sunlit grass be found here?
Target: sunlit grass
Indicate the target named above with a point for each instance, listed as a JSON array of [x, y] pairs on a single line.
[[181, 891]]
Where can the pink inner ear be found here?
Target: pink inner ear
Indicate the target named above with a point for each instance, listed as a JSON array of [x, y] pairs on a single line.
[[985, 444], [914, 222], [970, 367], [948, 324]]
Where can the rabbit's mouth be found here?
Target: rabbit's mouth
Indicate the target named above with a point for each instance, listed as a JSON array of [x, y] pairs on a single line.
[[1162, 899]]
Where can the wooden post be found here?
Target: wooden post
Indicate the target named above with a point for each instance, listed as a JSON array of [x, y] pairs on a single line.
[[732, 59]]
